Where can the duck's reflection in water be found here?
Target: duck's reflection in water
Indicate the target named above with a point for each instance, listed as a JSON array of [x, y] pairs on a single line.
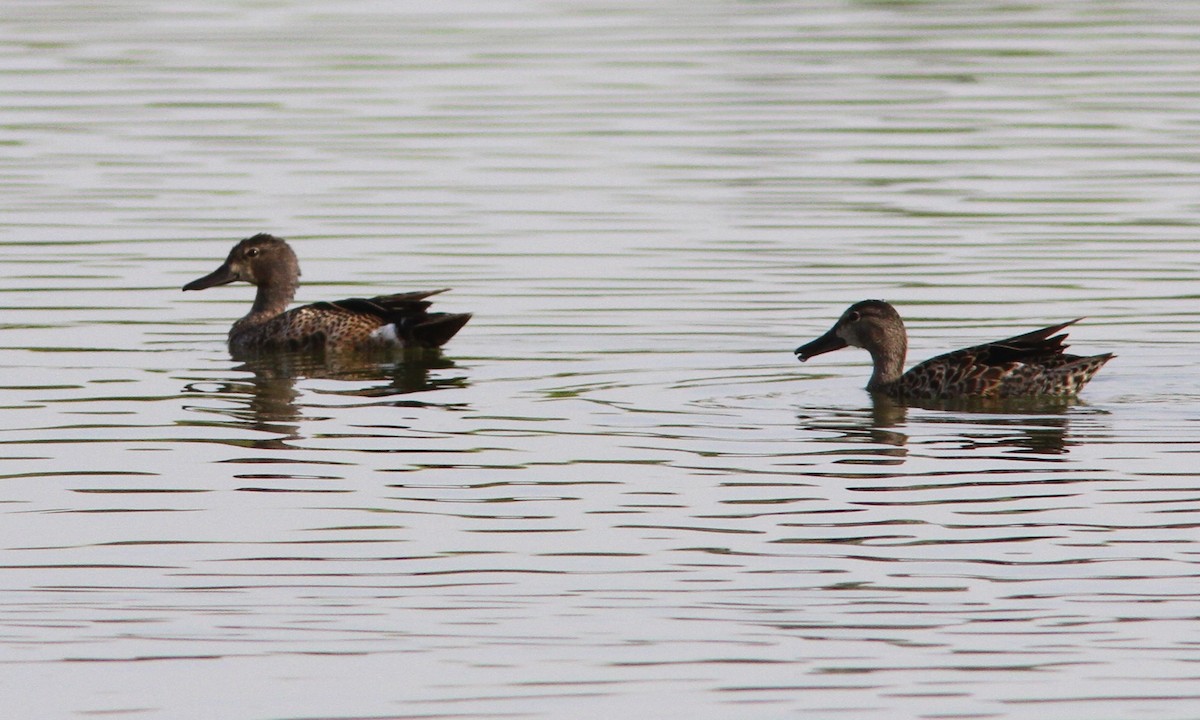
[[872, 435], [883, 430], [268, 400]]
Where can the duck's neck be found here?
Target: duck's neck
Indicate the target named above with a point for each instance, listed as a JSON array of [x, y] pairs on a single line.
[[271, 300], [889, 365]]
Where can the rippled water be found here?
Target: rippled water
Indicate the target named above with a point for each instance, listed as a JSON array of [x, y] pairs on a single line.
[[616, 492]]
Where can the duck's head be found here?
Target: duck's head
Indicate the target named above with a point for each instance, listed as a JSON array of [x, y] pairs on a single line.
[[263, 260], [870, 324]]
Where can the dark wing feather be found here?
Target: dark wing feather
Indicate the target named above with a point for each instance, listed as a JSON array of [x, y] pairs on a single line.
[[1038, 346], [384, 307]]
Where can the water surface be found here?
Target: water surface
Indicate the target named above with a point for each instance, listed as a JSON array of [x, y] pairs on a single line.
[[616, 492]]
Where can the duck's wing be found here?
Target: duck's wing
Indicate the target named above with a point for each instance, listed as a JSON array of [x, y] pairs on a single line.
[[1038, 346], [1034, 363], [383, 307], [407, 312]]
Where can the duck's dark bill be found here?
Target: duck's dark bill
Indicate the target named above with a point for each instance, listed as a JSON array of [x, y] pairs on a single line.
[[826, 343], [220, 276]]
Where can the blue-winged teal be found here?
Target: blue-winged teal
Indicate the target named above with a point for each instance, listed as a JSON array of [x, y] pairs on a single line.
[[1029, 365], [354, 324]]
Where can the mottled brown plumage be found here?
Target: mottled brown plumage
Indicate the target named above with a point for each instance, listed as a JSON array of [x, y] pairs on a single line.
[[350, 325], [1029, 365]]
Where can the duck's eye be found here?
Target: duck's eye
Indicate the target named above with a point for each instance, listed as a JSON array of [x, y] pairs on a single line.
[[252, 252], [853, 316]]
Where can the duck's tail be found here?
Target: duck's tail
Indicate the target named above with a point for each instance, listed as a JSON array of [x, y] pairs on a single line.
[[435, 329]]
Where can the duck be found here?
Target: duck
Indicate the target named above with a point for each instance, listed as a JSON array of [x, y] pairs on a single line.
[[1024, 366], [398, 321]]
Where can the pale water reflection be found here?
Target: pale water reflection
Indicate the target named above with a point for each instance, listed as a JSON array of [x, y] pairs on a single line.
[[616, 492]]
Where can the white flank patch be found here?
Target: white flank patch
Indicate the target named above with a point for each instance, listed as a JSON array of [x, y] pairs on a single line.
[[386, 335]]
